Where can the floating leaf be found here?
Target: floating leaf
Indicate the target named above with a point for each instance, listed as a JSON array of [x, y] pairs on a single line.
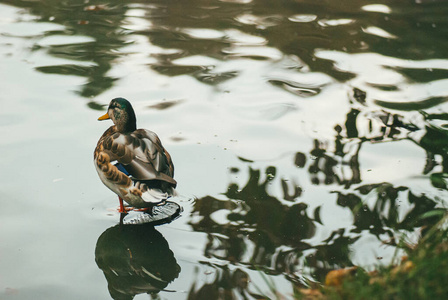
[[337, 277]]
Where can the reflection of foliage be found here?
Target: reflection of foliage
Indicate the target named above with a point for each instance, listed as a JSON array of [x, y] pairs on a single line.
[[260, 217], [328, 164], [135, 259], [93, 19], [383, 218], [268, 215], [241, 26], [259, 227], [273, 235], [275, 26], [381, 127], [333, 253], [435, 142]]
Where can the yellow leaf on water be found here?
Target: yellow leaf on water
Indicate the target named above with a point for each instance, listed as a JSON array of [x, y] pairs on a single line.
[[336, 277]]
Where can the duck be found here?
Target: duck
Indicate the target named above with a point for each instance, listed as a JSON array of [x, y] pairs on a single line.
[[132, 162]]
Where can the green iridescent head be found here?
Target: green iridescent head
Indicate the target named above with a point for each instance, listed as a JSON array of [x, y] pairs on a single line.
[[120, 111]]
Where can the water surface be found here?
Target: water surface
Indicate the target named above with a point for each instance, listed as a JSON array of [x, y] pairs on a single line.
[[306, 136]]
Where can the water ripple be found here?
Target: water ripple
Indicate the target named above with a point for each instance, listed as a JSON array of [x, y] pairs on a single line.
[[381, 8], [212, 78], [302, 18], [261, 22], [296, 88], [335, 22], [303, 126], [258, 52]]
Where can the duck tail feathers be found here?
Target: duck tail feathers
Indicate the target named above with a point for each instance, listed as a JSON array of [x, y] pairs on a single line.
[[154, 195]]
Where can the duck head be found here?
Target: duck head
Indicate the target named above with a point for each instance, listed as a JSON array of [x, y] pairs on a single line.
[[120, 111]]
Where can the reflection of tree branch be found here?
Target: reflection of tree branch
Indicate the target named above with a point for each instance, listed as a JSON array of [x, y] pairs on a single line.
[[432, 139], [328, 164], [297, 191]]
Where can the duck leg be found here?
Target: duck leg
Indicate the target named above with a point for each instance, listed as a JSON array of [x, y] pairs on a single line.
[[122, 209]]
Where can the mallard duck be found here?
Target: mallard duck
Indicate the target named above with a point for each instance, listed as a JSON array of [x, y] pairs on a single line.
[[132, 162]]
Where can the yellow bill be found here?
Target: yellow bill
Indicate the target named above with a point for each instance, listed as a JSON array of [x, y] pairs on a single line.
[[104, 117]]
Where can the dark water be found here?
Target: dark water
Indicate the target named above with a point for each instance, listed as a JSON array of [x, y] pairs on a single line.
[[306, 135]]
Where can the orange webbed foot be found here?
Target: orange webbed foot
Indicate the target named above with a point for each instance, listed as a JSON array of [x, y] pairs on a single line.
[[123, 209]]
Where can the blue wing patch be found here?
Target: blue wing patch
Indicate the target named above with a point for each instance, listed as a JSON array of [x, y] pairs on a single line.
[[121, 168]]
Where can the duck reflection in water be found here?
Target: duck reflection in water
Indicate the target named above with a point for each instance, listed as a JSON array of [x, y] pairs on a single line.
[[135, 259]]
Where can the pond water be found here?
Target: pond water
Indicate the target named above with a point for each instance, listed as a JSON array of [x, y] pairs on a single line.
[[306, 135]]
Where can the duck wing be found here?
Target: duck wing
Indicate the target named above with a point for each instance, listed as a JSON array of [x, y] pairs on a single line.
[[141, 155]]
